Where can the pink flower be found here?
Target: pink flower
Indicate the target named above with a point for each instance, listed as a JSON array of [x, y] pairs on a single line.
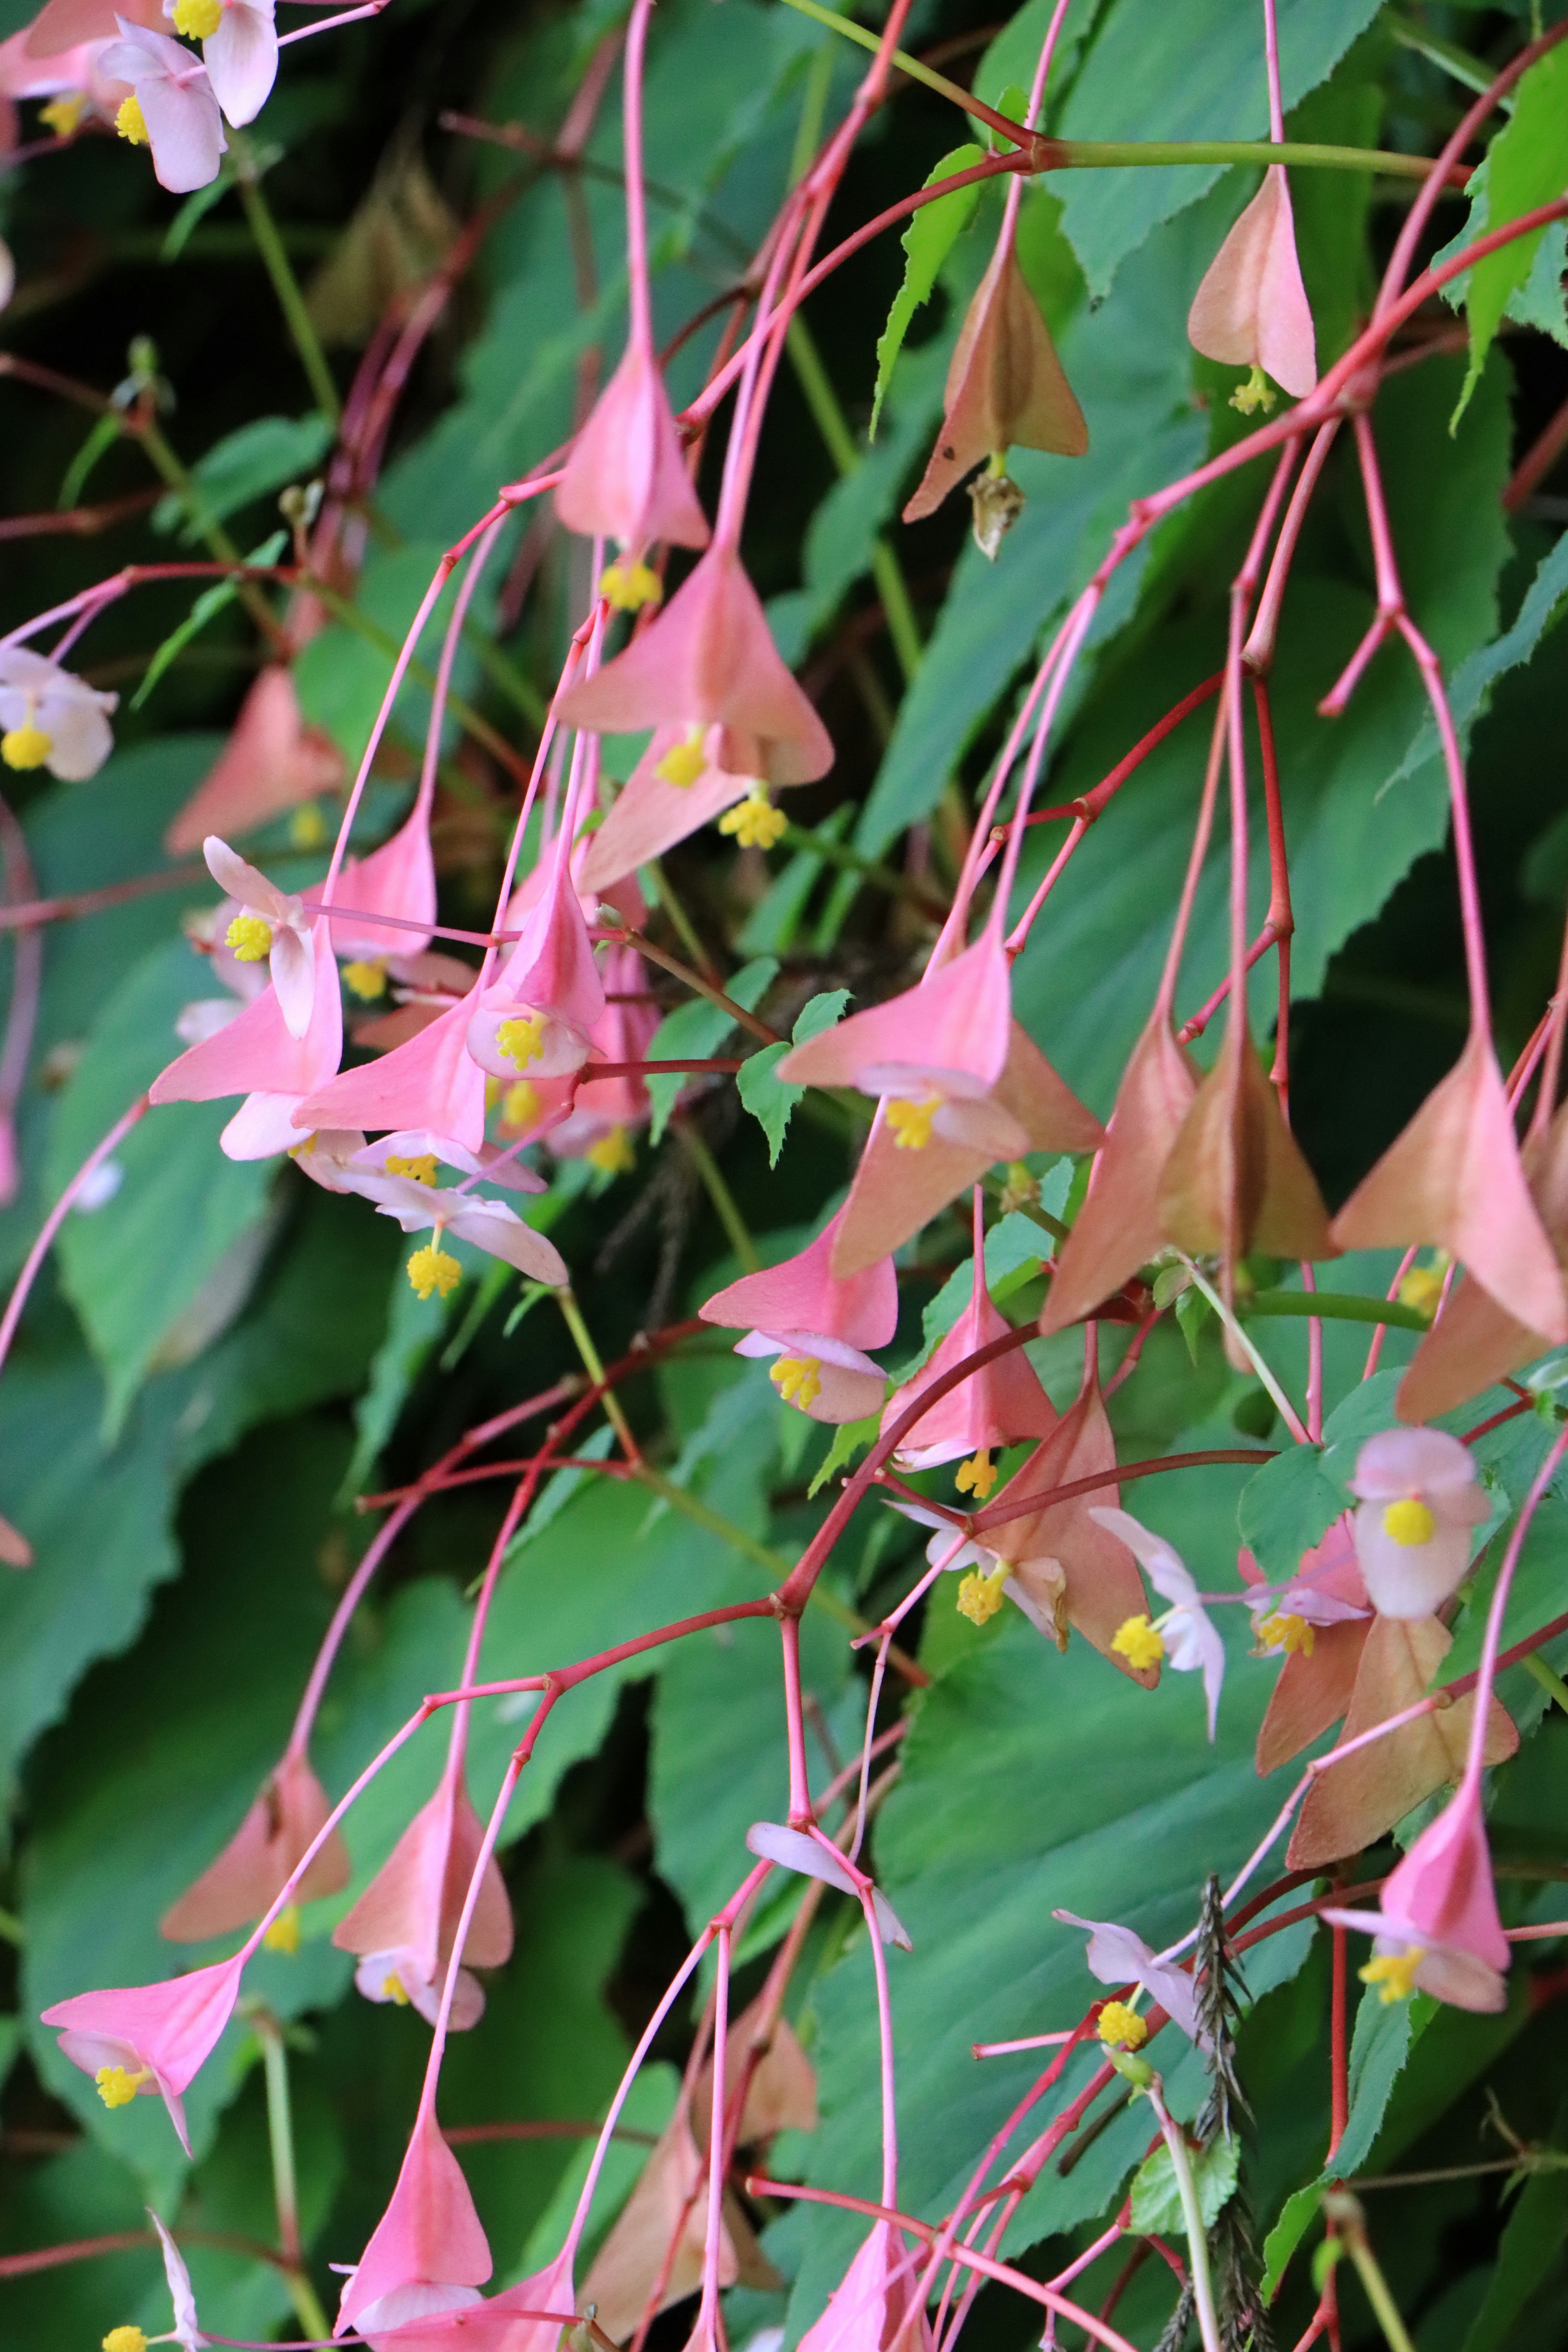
[[1119, 1227], [142, 2039], [397, 879], [260, 1857], [1251, 309], [403, 1923], [272, 925], [625, 478], [256, 1055], [814, 1857], [1438, 1926], [187, 2331], [430, 1082], [818, 1328], [239, 47], [172, 109], [1117, 1957], [457, 2319], [51, 718], [428, 2238], [1419, 1504], [874, 2303], [490, 1225], [655, 808], [996, 1406], [708, 660], [536, 1020], [606, 1112], [272, 762], [1182, 1637], [416, 1153]]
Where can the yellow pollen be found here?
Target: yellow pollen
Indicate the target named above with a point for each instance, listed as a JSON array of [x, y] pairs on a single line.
[[519, 1104], [522, 1039], [197, 20], [754, 822], [1409, 1521], [1138, 1642], [431, 1269], [125, 2339], [365, 980], [613, 1153], [422, 1171], [628, 586], [25, 746], [61, 116], [683, 763], [980, 1597], [283, 1935], [797, 1380], [1393, 1974], [1121, 2028], [1423, 1287], [392, 1986], [911, 1122], [250, 938], [1255, 393], [116, 2088], [307, 828], [132, 123], [977, 1475], [1288, 1634]]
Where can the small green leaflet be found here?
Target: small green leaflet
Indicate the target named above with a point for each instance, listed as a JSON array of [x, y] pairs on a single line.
[[1527, 165], [927, 242], [770, 1100], [1157, 2201], [1287, 2234], [210, 603], [697, 1029], [847, 1438], [261, 456], [1287, 1508], [104, 435]]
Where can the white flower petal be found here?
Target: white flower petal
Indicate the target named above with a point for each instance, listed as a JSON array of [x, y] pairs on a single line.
[[1164, 1568], [794, 1849], [491, 1225], [241, 57], [243, 882], [293, 963], [187, 2332]]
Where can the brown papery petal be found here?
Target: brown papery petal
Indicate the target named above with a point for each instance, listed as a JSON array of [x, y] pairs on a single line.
[[1005, 386], [1235, 1176]]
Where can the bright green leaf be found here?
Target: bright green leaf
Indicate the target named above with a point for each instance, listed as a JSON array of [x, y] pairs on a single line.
[[1157, 2198], [694, 1030], [1527, 166], [770, 1100], [927, 242]]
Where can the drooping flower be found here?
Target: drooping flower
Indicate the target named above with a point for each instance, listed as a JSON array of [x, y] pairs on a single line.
[[139, 2040], [675, 789], [1317, 1626], [1437, 1926], [1183, 1634], [606, 1113], [1236, 1179], [430, 1081], [877, 2303], [172, 109], [416, 1154], [814, 1857], [1116, 1956], [1419, 1503], [271, 927], [490, 1225], [239, 49], [403, 1925], [51, 718], [256, 1055], [817, 1328], [1251, 309], [537, 1019], [260, 1857], [429, 2238], [626, 480], [660, 2237], [272, 762], [187, 2331]]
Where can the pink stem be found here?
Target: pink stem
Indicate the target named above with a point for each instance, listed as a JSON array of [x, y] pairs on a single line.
[[1271, 64], [56, 1217], [713, 2245], [636, 215], [1486, 1673]]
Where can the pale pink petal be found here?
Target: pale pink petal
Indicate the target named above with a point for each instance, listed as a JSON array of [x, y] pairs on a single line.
[[241, 57]]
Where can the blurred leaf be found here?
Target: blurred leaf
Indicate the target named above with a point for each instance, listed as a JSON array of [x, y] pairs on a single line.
[[209, 605], [1295, 2220], [1157, 2198], [1531, 2235], [244, 465], [927, 239], [770, 1100]]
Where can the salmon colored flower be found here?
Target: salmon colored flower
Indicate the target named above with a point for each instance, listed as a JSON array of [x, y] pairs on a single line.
[[272, 762], [676, 787], [1419, 1506], [144, 2039], [606, 1113], [1236, 1179], [660, 2233], [1251, 309], [429, 2238], [996, 1406], [1437, 1926], [431, 1081], [173, 108], [51, 718], [626, 479], [1120, 1227], [261, 1856], [877, 2303], [403, 1925], [816, 1327]]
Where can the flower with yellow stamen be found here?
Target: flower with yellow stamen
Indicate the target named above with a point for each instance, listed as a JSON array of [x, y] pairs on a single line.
[[26, 747], [977, 1475], [518, 1102], [1255, 393], [613, 1153], [392, 1988], [798, 1379], [132, 123], [62, 116], [1121, 2028], [421, 1168], [521, 1039], [365, 980], [1289, 1633], [911, 1122], [125, 2339], [1393, 1974], [980, 1597], [754, 822], [283, 1935], [1140, 1642], [117, 2086], [197, 20], [307, 828], [434, 1269], [250, 938], [684, 761], [626, 586], [1409, 1521], [1423, 1286]]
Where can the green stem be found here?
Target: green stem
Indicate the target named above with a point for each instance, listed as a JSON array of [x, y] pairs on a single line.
[[212, 534], [1193, 2216], [290, 300], [719, 1192], [681, 922], [285, 2178], [1335, 1306], [1287, 1412], [1552, 1684], [593, 1364], [1384, 2305]]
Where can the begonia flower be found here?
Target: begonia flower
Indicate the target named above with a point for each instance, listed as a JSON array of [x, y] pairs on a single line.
[[431, 1081], [1251, 309], [239, 49], [262, 1855], [416, 1153], [1116, 1956], [1419, 1504], [537, 1019], [256, 1055], [626, 480], [490, 1225], [272, 762], [187, 2330], [1236, 1179], [1183, 1634], [428, 2237], [403, 1925], [817, 1327], [878, 2302], [271, 926], [50, 718], [677, 786], [606, 1113], [1436, 1924], [173, 108], [660, 2237], [781, 2088], [1120, 1226], [814, 1858], [62, 24], [139, 2040]]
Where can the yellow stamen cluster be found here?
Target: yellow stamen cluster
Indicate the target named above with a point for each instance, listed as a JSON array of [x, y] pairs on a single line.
[[1423, 1287], [422, 1171], [754, 822], [977, 1475], [197, 20], [117, 2088], [519, 1104], [1255, 393], [626, 587], [980, 1597], [1409, 1521], [392, 1986], [125, 2339], [25, 746], [684, 761], [1288, 1634], [434, 1269], [911, 1122], [1393, 1974], [365, 980], [61, 116], [250, 938], [613, 1153], [522, 1040], [1121, 2028], [132, 123], [307, 826], [283, 1935], [797, 1379], [1140, 1642]]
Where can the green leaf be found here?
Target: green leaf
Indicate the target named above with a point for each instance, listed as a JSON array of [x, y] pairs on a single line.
[[770, 1100], [1534, 2231], [1015, 1248], [927, 241], [1157, 2198], [209, 605], [99, 442], [848, 1439], [1285, 1509], [244, 465], [1535, 1596], [1527, 165], [1470, 690], [1295, 2218], [1385, 2033], [695, 1030]]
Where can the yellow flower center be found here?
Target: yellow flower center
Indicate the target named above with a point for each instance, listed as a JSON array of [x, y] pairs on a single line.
[[1423, 1287], [1288, 1634], [754, 822], [422, 1169], [250, 938], [1409, 1521], [197, 20], [980, 1597], [61, 116], [683, 763], [132, 123], [1393, 1974], [628, 586], [283, 1935], [432, 1268], [117, 2088], [125, 2339], [392, 1986], [522, 1040], [977, 1475], [365, 980], [797, 1380], [911, 1122], [1255, 393], [519, 1104], [1141, 1643], [307, 828], [613, 1153], [25, 746], [1121, 2028]]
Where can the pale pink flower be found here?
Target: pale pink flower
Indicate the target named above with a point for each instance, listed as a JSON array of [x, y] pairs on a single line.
[[411, 1152], [877, 2301], [490, 1225], [187, 2331], [431, 1081], [813, 1857], [1117, 1957], [652, 813], [272, 762], [429, 2237], [51, 718], [817, 1327], [537, 1020], [433, 2318], [1251, 309], [404, 1925], [178, 114], [263, 1853], [1438, 1926], [240, 52], [606, 1108], [1419, 1504], [256, 1054], [625, 478], [143, 2039], [273, 924], [1191, 1643]]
